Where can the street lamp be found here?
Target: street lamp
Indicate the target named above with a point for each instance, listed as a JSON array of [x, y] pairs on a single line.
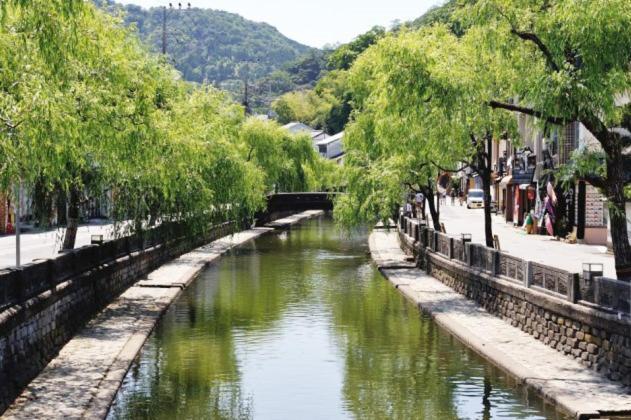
[[18, 198]]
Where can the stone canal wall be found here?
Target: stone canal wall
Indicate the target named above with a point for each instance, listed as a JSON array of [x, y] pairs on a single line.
[[553, 306], [83, 378], [43, 304]]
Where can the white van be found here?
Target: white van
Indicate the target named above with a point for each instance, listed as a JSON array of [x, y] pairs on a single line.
[[475, 199]]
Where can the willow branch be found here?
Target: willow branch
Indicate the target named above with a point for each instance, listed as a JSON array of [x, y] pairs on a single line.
[[449, 169], [530, 37], [527, 111], [596, 180], [411, 187]]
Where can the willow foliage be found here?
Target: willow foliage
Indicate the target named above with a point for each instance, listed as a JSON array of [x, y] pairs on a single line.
[[104, 116], [421, 104]]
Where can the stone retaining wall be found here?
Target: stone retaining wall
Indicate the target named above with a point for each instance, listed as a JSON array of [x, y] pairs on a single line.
[[43, 305], [597, 337]]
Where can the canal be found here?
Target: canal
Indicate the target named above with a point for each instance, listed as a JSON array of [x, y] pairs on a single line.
[[300, 325]]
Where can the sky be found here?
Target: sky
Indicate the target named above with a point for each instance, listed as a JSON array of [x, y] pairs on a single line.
[[314, 22]]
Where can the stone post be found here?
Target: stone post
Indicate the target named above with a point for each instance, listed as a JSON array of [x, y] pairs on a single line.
[[451, 248], [573, 289], [527, 273], [467, 248], [495, 263]]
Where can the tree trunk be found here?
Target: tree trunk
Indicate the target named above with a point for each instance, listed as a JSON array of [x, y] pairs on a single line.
[[618, 217], [73, 220], [488, 224], [485, 174], [433, 210]]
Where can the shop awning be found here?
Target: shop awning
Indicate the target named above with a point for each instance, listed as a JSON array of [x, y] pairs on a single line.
[[507, 180]]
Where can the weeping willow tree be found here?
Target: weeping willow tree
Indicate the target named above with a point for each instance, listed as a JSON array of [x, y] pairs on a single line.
[[86, 110], [572, 58], [421, 101], [289, 162]]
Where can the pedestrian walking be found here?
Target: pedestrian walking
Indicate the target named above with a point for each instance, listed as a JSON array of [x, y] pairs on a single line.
[[453, 197], [408, 209], [419, 199]]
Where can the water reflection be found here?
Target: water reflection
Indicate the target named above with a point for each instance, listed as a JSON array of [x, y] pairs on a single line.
[[302, 326]]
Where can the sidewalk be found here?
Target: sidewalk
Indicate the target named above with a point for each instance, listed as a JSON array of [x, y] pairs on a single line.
[[581, 392], [541, 249], [46, 244]]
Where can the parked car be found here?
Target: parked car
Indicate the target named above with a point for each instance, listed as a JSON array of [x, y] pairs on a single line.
[[475, 199]]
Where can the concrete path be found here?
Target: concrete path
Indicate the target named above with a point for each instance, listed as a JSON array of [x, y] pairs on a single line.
[[542, 249], [579, 391], [46, 244], [82, 381]]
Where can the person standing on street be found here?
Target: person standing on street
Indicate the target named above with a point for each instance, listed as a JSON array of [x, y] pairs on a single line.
[[419, 199]]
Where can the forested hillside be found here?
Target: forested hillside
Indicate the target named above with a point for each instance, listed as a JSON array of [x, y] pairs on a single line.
[[212, 45], [226, 49], [328, 104]]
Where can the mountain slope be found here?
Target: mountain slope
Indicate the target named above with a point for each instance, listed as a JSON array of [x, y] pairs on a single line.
[[212, 45]]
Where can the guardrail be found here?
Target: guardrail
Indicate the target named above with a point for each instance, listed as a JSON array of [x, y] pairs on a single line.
[[600, 293]]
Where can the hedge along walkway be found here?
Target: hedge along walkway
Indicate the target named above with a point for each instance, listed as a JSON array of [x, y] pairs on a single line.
[[573, 388], [82, 381]]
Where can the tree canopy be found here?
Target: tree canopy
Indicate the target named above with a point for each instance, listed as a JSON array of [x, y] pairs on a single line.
[[112, 118], [448, 88]]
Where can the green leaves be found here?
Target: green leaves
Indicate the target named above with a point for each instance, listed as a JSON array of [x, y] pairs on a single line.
[[109, 118], [421, 101]]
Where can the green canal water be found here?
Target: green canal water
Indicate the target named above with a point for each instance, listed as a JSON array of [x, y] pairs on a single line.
[[300, 325]]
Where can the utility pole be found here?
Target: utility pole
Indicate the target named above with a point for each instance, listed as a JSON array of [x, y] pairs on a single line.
[[164, 24], [164, 30], [246, 101]]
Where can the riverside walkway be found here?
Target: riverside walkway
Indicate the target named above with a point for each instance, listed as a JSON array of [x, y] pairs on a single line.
[[83, 379], [579, 391], [541, 249]]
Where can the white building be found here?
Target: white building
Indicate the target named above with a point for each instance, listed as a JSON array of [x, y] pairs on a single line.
[[332, 147], [299, 128]]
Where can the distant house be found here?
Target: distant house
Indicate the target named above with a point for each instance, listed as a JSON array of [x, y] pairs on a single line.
[[298, 128], [332, 147]]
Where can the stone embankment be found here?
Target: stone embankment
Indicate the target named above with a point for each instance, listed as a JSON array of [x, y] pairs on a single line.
[[82, 380], [485, 317]]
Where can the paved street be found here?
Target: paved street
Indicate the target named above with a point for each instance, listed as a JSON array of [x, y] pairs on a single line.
[[542, 249], [45, 244]]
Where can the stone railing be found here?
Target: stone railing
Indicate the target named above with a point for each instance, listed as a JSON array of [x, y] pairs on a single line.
[[32, 279], [43, 304], [606, 294], [443, 244], [512, 268], [584, 318], [482, 258], [553, 280]]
